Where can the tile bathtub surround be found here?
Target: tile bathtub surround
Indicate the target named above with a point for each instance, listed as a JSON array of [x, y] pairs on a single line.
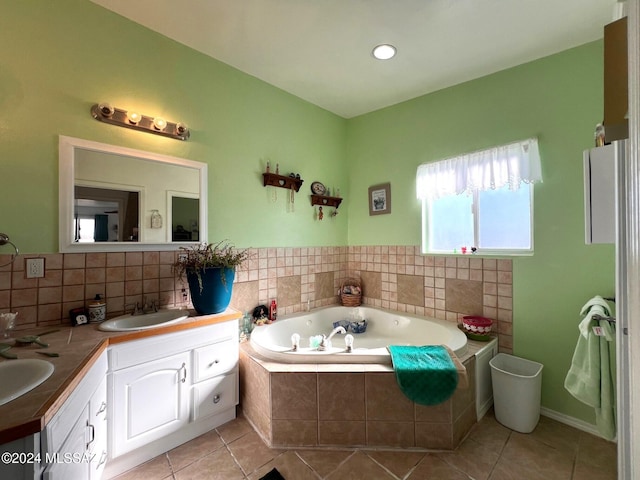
[[347, 406], [490, 451], [393, 277]]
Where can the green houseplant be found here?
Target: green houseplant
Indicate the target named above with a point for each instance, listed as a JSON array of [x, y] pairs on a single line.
[[210, 270]]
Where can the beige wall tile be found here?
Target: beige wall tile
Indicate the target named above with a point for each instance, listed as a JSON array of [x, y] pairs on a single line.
[[287, 386], [73, 277], [115, 274], [52, 261], [289, 291], [371, 284], [411, 290], [390, 434], [151, 271], [385, 401], [5, 280], [324, 287], [95, 275], [463, 296], [52, 278], [24, 297], [341, 396], [19, 280], [96, 260], [342, 433], [74, 260], [133, 258], [434, 435], [115, 259], [294, 433], [244, 296], [133, 273], [441, 413], [50, 313], [50, 295]]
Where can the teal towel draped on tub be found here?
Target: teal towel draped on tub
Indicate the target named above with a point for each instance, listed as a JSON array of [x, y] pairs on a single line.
[[425, 374]]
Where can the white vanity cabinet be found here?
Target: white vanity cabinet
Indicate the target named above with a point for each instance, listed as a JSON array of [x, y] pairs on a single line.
[[168, 389], [73, 444]]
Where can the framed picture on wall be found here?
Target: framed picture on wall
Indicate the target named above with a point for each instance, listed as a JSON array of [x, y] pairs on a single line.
[[380, 199]]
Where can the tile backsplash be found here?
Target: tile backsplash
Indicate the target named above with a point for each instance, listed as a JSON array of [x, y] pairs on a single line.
[[393, 277]]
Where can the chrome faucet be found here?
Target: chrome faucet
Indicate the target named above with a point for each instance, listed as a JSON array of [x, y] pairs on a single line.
[[326, 341], [146, 308], [137, 310]]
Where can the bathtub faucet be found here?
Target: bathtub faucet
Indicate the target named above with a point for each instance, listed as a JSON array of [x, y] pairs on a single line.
[[326, 341]]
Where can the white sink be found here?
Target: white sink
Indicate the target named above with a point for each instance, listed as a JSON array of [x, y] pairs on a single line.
[[125, 323], [18, 377]]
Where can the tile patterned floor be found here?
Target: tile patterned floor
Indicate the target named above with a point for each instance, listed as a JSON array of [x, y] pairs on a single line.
[[491, 452]]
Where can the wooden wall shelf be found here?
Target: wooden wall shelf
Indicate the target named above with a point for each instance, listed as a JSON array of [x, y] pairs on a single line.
[[281, 181], [325, 201]]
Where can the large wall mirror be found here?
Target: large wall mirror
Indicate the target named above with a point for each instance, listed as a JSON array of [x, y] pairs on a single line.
[[115, 199]]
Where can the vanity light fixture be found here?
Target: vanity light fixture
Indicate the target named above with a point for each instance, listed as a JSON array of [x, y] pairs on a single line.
[[384, 51], [130, 119]]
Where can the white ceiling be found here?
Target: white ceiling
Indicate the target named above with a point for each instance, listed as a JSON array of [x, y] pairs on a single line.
[[320, 50]]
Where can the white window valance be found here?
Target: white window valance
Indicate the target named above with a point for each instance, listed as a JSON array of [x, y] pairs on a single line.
[[489, 169]]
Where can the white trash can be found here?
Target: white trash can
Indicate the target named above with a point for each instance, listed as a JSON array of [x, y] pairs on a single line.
[[516, 391]]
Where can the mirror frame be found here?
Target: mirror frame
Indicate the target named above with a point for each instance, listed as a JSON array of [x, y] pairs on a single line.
[[66, 175]]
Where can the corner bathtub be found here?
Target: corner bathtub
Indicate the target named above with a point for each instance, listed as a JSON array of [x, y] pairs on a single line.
[[384, 328]]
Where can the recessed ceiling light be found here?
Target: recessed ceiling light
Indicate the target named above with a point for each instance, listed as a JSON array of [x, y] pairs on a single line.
[[384, 51]]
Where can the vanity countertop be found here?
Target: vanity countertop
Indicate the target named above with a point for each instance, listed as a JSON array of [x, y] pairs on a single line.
[[79, 347]]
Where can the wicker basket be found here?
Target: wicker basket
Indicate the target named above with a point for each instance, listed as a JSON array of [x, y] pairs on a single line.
[[348, 297]]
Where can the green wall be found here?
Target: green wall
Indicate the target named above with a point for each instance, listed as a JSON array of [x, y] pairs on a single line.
[[59, 58], [559, 100]]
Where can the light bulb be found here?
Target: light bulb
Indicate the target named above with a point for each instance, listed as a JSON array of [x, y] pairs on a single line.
[[348, 342], [384, 51], [295, 341], [181, 128], [159, 123], [106, 110], [134, 117]]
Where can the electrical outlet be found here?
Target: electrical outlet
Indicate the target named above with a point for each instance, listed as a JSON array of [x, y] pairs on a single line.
[[35, 267]]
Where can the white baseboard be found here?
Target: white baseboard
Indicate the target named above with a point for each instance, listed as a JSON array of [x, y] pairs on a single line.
[[571, 421]]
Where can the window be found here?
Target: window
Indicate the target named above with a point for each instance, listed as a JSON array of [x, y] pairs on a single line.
[[483, 200]]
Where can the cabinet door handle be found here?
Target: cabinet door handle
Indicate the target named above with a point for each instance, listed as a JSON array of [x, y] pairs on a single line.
[[216, 398], [215, 362], [103, 407], [92, 434], [184, 372]]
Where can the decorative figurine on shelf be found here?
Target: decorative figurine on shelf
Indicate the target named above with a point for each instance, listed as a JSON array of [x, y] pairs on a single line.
[[277, 169], [320, 214], [260, 315], [268, 166], [156, 219]]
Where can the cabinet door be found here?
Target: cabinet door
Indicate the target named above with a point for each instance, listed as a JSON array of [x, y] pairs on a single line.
[[98, 430], [71, 461], [149, 401]]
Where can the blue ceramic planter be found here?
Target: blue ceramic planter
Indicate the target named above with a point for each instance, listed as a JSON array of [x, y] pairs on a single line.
[[215, 295]]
